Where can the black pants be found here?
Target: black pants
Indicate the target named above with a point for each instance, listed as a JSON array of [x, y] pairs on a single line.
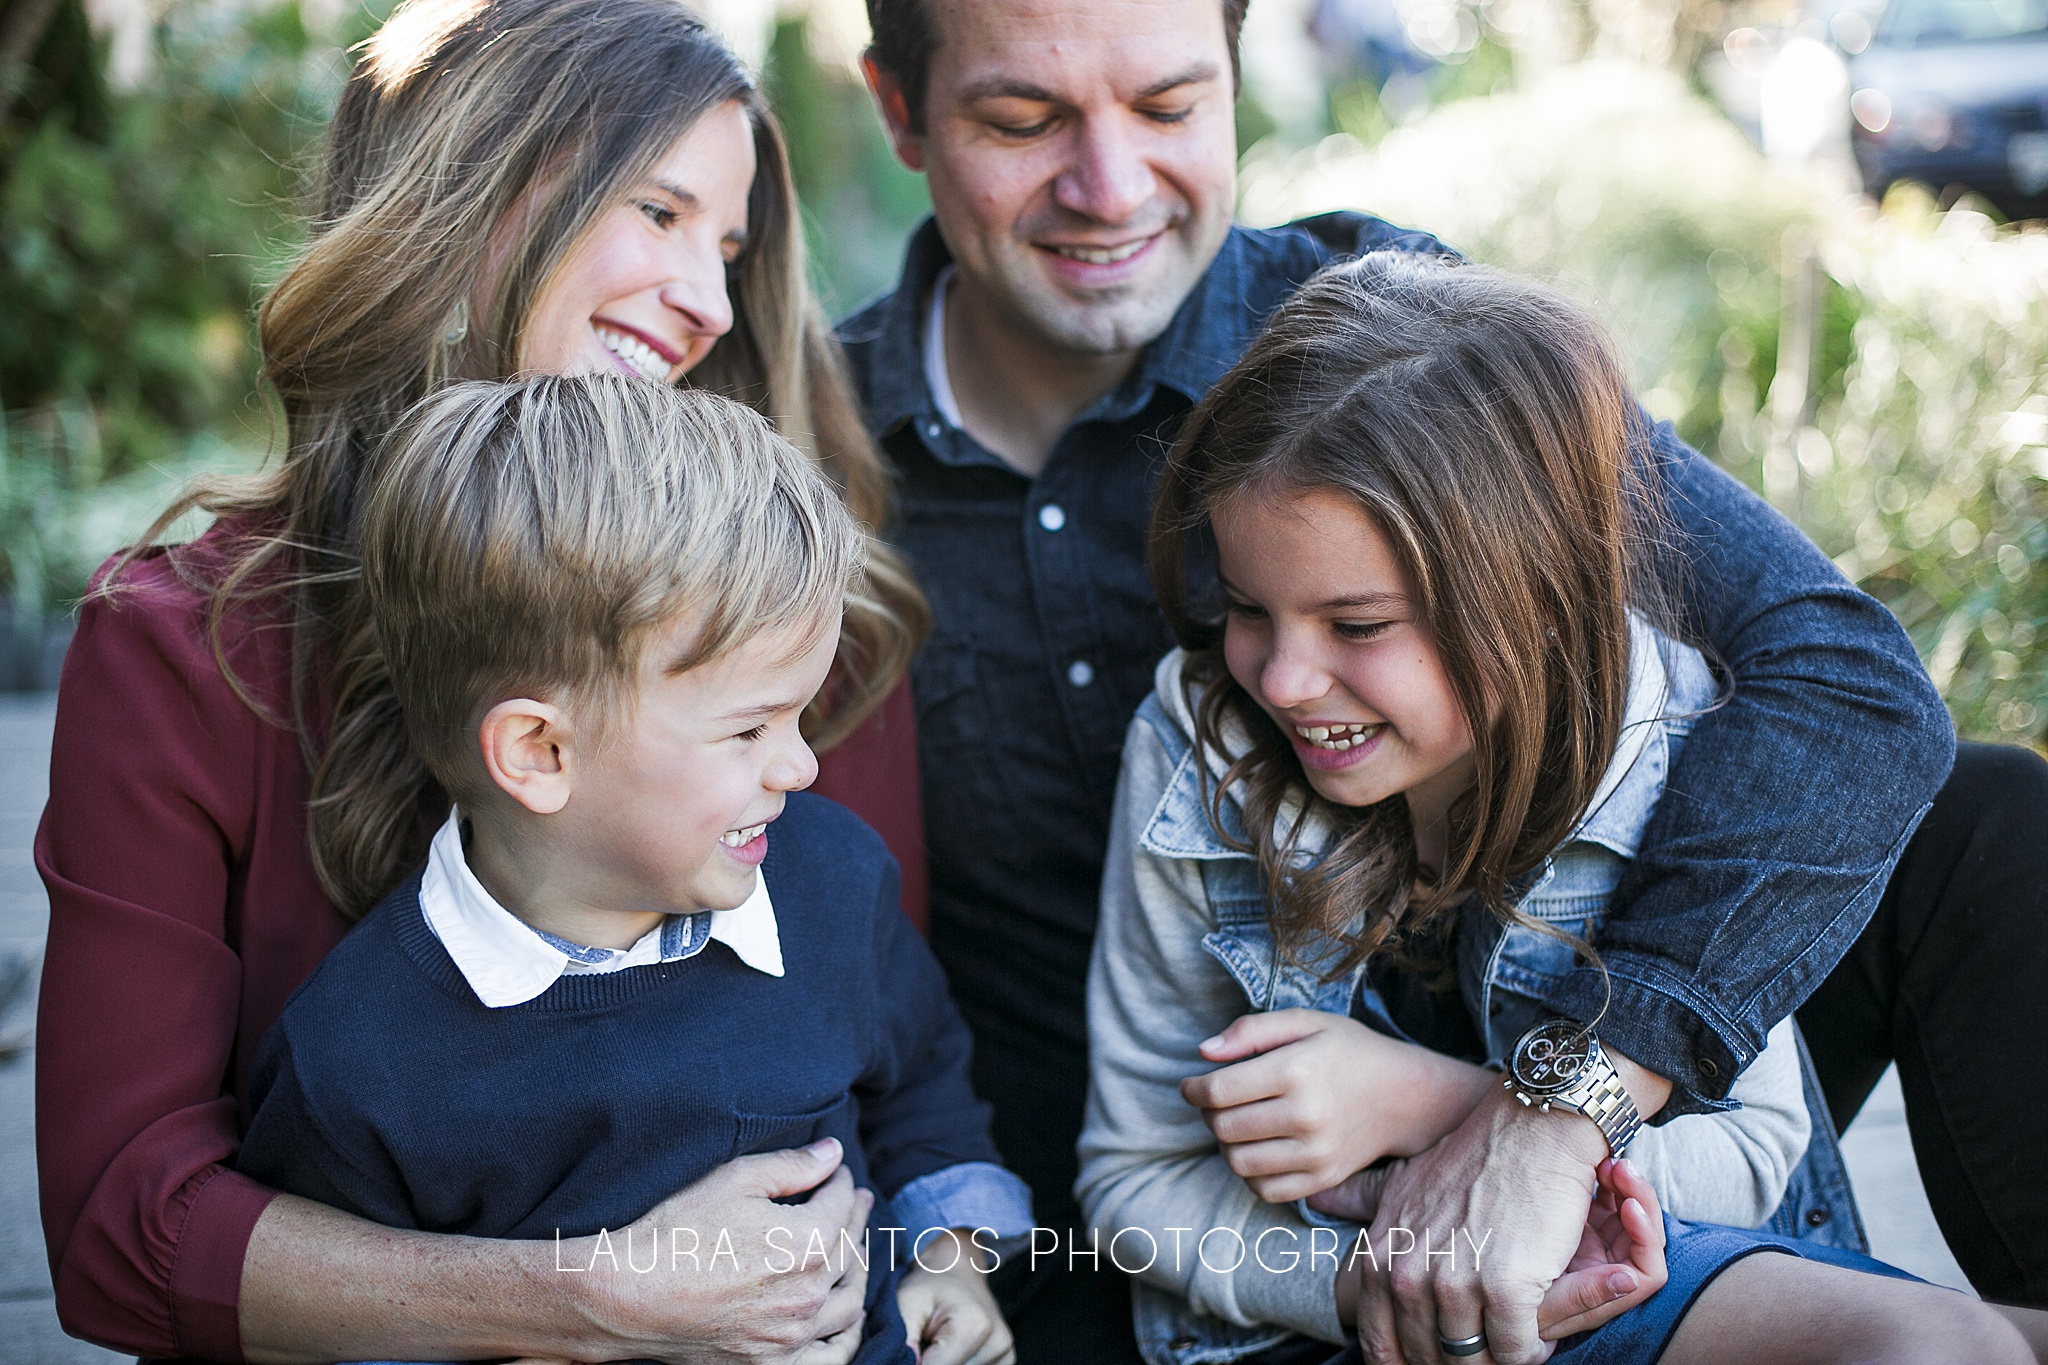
[[1950, 980]]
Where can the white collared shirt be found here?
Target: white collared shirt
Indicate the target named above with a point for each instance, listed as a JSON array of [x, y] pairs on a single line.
[[508, 962]]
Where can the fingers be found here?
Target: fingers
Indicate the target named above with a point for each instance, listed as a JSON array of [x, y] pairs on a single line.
[[779, 1175], [1260, 1078], [1580, 1300], [838, 1325], [1415, 1314], [1250, 1034]]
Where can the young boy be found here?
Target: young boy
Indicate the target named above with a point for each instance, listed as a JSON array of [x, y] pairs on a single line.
[[635, 952]]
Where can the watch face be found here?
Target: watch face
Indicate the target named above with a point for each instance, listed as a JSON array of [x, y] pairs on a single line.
[[1551, 1056]]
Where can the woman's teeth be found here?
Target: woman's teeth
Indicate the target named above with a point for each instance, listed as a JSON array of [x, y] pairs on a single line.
[[644, 359], [1109, 255], [740, 838], [1336, 737]]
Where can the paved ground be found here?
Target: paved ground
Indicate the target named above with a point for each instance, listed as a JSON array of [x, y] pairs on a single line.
[[1880, 1155]]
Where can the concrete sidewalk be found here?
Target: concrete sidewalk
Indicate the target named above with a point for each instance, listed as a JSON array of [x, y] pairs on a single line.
[[1880, 1156]]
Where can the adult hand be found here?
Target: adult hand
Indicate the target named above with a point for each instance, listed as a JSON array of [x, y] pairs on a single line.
[[1619, 1262], [1509, 1191], [1313, 1097], [723, 1292]]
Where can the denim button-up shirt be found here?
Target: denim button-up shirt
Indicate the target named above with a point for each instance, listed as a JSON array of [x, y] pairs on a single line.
[[1791, 804]]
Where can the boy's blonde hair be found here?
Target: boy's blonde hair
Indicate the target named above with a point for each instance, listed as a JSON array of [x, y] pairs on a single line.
[[526, 538]]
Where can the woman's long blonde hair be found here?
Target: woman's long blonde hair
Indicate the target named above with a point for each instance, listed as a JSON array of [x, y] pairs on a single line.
[[458, 113], [1485, 426]]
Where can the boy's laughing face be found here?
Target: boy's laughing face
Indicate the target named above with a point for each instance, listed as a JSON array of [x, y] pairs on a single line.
[[668, 810]]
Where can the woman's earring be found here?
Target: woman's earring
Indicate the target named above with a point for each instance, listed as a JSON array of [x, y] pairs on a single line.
[[458, 326]]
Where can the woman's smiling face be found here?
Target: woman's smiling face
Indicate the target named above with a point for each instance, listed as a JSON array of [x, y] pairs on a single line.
[[644, 291]]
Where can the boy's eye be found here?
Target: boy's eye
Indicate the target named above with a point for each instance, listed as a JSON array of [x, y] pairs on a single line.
[[756, 733]]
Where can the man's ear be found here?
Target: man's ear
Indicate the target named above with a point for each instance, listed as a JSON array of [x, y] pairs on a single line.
[[895, 110], [526, 749]]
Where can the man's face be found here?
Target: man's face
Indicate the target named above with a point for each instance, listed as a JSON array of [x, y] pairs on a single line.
[[1082, 158]]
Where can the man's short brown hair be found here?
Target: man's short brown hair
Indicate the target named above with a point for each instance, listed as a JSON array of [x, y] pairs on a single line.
[[906, 34]]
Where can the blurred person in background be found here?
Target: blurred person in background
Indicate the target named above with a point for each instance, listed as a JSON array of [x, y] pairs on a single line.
[[517, 186], [1078, 288]]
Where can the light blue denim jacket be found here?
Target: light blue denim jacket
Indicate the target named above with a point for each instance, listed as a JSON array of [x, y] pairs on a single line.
[[1184, 947]]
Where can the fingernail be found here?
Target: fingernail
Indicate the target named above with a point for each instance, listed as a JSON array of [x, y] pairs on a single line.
[[823, 1147], [1621, 1284], [1217, 1041]]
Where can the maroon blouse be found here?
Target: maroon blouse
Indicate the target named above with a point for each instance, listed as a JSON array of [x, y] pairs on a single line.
[[183, 912]]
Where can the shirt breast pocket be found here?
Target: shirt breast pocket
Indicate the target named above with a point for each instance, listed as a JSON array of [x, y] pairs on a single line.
[[836, 1118], [948, 711], [1571, 903]]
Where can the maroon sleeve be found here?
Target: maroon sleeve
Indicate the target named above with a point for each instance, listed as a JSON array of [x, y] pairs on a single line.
[[156, 773], [873, 773]]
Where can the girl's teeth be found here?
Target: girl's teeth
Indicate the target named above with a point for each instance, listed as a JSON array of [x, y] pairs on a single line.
[[636, 353], [1336, 737]]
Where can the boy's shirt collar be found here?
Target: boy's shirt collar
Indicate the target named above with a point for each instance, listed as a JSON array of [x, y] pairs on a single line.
[[508, 962]]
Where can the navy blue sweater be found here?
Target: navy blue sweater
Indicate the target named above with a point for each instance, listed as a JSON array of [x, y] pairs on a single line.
[[389, 1090]]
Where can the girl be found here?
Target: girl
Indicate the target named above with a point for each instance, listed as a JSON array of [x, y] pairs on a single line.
[[1380, 796], [540, 186]]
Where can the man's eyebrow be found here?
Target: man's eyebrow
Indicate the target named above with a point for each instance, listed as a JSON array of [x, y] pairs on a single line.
[[1193, 75], [1009, 87]]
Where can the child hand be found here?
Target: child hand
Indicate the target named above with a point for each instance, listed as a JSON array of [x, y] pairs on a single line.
[[1315, 1096], [949, 1315], [1623, 1242]]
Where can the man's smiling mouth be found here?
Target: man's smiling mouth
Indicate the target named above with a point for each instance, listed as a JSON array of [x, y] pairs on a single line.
[[1102, 255]]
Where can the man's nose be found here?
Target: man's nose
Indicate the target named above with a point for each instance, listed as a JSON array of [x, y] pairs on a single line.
[[1108, 179], [696, 289]]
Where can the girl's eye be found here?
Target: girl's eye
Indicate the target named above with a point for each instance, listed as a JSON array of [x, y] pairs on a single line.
[[1245, 609], [661, 215], [1359, 630]]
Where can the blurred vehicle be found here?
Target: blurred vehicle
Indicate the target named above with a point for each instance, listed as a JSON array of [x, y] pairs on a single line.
[[1952, 93]]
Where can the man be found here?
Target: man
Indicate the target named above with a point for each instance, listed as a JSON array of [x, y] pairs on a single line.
[[1079, 287]]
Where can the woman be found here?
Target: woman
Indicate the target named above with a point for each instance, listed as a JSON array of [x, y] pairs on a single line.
[[515, 185]]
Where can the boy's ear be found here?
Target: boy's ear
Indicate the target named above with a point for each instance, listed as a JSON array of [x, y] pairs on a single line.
[[526, 750], [895, 111]]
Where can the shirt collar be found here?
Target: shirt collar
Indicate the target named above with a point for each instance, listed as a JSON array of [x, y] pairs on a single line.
[[1209, 330], [508, 962]]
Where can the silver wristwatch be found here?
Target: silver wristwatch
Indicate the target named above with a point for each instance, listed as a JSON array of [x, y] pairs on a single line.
[[1559, 1063]]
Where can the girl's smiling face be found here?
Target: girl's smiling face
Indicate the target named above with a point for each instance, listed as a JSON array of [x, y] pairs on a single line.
[[1324, 634], [644, 291]]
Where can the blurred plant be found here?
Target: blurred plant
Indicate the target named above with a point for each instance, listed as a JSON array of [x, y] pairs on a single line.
[[137, 227], [859, 203], [1906, 425]]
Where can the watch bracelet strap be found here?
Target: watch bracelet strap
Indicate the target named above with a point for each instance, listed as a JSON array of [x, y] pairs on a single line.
[[1612, 1109]]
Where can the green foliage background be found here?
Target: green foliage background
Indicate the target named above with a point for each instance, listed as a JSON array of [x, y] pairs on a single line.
[[138, 228]]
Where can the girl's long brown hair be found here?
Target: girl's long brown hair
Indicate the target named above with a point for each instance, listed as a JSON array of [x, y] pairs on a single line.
[[1485, 426], [474, 145]]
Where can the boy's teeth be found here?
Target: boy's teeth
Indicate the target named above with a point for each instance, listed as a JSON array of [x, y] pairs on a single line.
[[1336, 737], [740, 838], [1102, 255], [635, 352]]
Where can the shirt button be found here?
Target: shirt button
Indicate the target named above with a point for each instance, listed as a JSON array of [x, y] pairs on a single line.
[[1052, 516], [1080, 673], [932, 430]]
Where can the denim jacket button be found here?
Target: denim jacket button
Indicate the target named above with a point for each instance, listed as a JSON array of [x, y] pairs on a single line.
[[1816, 1217], [1708, 1068]]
